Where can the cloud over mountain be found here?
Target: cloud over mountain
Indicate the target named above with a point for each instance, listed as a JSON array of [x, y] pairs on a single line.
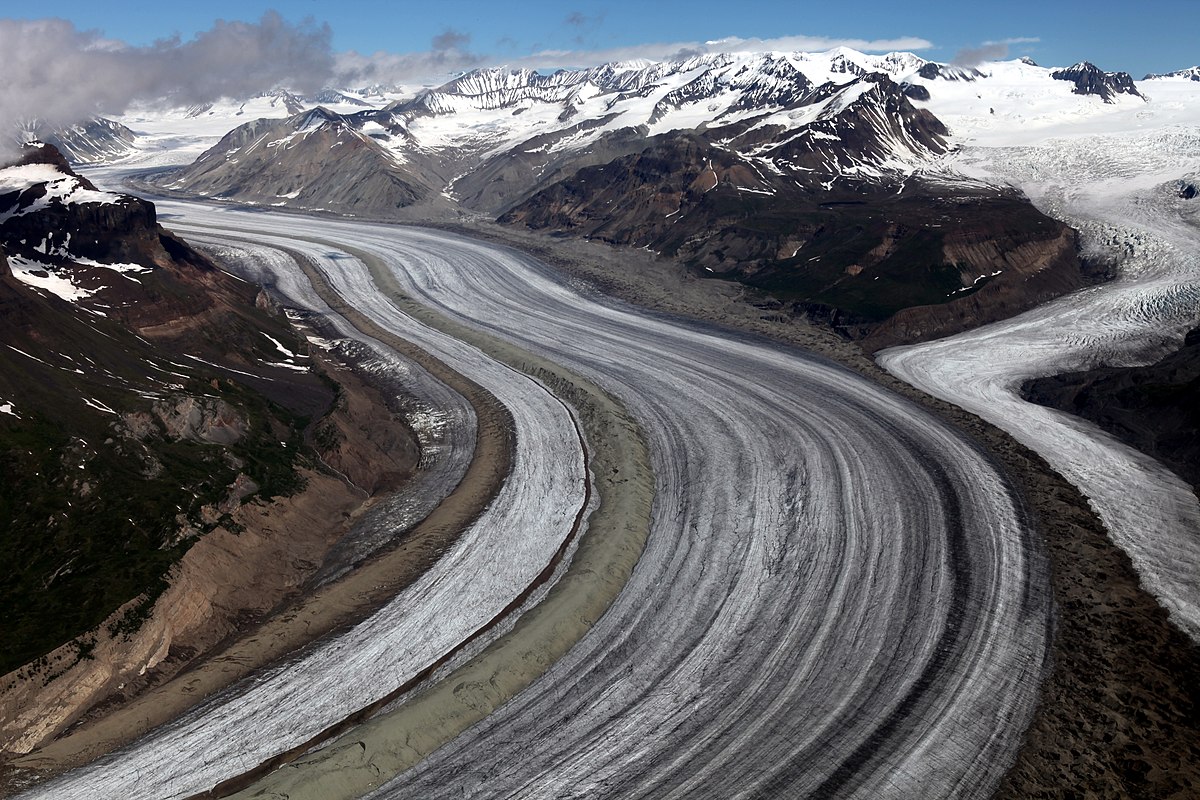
[[59, 74]]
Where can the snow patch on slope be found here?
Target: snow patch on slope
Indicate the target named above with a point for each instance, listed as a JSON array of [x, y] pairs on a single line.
[[59, 187], [48, 277]]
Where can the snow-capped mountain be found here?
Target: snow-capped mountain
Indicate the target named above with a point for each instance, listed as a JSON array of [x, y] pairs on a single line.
[[838, 150], [285, 162], [499, 112], [91, 141], [165, 134], [515, 128], [58, 230], [491, 137], [1189, 74]]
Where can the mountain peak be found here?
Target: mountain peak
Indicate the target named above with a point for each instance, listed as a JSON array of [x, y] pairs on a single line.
[[38, 152], [841, 51], [1090, 79], [951, 72], [1191, 74], [315, 118]]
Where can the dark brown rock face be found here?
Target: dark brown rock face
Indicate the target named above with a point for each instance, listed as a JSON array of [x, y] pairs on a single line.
[[1155, 408], [1016, 270], [123, 228], [862, 258], [1089, 79]]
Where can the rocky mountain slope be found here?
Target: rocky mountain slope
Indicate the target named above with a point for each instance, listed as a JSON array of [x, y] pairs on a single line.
[[1091, 80], [524, 128], [88, 142], [143, 398], [1155, 408], [290, 162]]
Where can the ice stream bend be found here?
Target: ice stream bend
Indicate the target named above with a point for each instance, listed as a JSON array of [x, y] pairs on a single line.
[[841, 596], [1120, 192]]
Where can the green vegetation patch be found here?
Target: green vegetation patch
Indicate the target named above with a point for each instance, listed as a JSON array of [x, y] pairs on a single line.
[[96, 517], [868, 255], [914, 275]]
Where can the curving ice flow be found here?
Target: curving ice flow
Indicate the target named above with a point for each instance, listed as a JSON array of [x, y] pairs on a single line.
[[501, 553], [1120, 192], [840, 595]]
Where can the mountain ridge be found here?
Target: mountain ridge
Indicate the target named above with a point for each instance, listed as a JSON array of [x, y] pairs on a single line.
[[676, 155], [1190, 73], [1090, 79]]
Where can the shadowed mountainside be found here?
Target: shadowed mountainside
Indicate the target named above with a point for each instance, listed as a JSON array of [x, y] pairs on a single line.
[[144, 398], [1155, 408]]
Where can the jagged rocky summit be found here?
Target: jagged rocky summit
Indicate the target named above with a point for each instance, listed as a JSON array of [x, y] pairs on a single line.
[[1090, 79]]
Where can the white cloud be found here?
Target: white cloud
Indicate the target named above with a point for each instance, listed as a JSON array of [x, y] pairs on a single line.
[[1016, 40], [58, 74]]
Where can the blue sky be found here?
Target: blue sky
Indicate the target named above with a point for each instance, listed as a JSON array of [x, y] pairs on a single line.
[[1153, 36]]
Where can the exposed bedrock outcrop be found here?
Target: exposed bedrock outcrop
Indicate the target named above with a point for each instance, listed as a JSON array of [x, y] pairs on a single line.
[[1012, 279], [1155, 408], [1090, 79], [197, 419]]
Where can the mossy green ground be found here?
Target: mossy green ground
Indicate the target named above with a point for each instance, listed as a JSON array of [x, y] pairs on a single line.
[[88, 527]]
